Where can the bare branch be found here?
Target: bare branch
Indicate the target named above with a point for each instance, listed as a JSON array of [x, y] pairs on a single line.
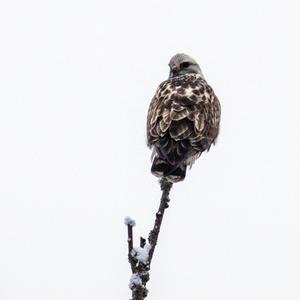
[[140, 264], [164, 200]]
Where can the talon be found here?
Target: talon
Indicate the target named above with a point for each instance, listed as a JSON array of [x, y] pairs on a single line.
[[165, 183]]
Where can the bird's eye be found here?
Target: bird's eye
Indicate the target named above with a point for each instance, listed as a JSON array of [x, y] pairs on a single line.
[[184, 65]]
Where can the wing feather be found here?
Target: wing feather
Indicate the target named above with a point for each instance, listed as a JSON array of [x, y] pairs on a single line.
[[183, 118]]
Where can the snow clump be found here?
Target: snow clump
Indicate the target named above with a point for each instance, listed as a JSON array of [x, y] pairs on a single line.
[[129, 221]]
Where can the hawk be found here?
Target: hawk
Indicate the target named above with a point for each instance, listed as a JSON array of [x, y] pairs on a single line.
[[183, 119]]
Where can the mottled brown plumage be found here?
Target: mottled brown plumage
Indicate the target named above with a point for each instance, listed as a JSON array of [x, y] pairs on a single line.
[[183, 121]]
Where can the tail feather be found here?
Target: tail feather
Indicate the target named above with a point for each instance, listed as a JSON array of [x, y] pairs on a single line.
[[162, 168]]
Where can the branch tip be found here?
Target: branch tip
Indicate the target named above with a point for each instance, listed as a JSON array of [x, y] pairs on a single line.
[[129, 221]]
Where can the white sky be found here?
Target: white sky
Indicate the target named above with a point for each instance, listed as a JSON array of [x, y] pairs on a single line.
[[76, 79]]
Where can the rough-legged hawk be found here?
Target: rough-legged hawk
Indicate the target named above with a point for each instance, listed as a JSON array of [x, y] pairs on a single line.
[[183, 119]]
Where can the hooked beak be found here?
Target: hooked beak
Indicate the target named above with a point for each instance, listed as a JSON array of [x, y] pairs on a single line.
[[174, 69]]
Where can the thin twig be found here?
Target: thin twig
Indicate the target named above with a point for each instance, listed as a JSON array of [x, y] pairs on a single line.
[[130, 224], [130, 247], [142, 242], [130, 238]]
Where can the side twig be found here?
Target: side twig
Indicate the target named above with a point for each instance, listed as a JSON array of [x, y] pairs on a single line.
[[130, 224]]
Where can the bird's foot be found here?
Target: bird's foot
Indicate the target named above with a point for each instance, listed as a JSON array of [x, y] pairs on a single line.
[[165, 183]]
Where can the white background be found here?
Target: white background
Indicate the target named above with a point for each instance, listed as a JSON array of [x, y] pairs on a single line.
[[76, 79]]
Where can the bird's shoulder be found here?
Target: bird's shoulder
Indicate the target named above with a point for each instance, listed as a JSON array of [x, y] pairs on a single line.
[[185, 90]]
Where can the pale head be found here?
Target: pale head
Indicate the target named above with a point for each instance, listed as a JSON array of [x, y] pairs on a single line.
[[181, 64]]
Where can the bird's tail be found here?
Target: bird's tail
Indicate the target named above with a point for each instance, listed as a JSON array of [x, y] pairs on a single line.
[[162, 168]]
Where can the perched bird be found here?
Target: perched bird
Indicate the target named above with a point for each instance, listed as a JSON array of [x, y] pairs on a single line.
[[183, 119]]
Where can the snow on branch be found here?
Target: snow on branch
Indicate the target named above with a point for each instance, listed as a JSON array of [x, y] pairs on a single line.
[[129, 221], [135, 280], [141, 254]]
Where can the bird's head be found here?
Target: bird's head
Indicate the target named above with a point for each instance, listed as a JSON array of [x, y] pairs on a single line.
[[181, 64]]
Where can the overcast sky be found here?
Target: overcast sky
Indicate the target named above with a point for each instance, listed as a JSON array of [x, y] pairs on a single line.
[[76, 79]]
